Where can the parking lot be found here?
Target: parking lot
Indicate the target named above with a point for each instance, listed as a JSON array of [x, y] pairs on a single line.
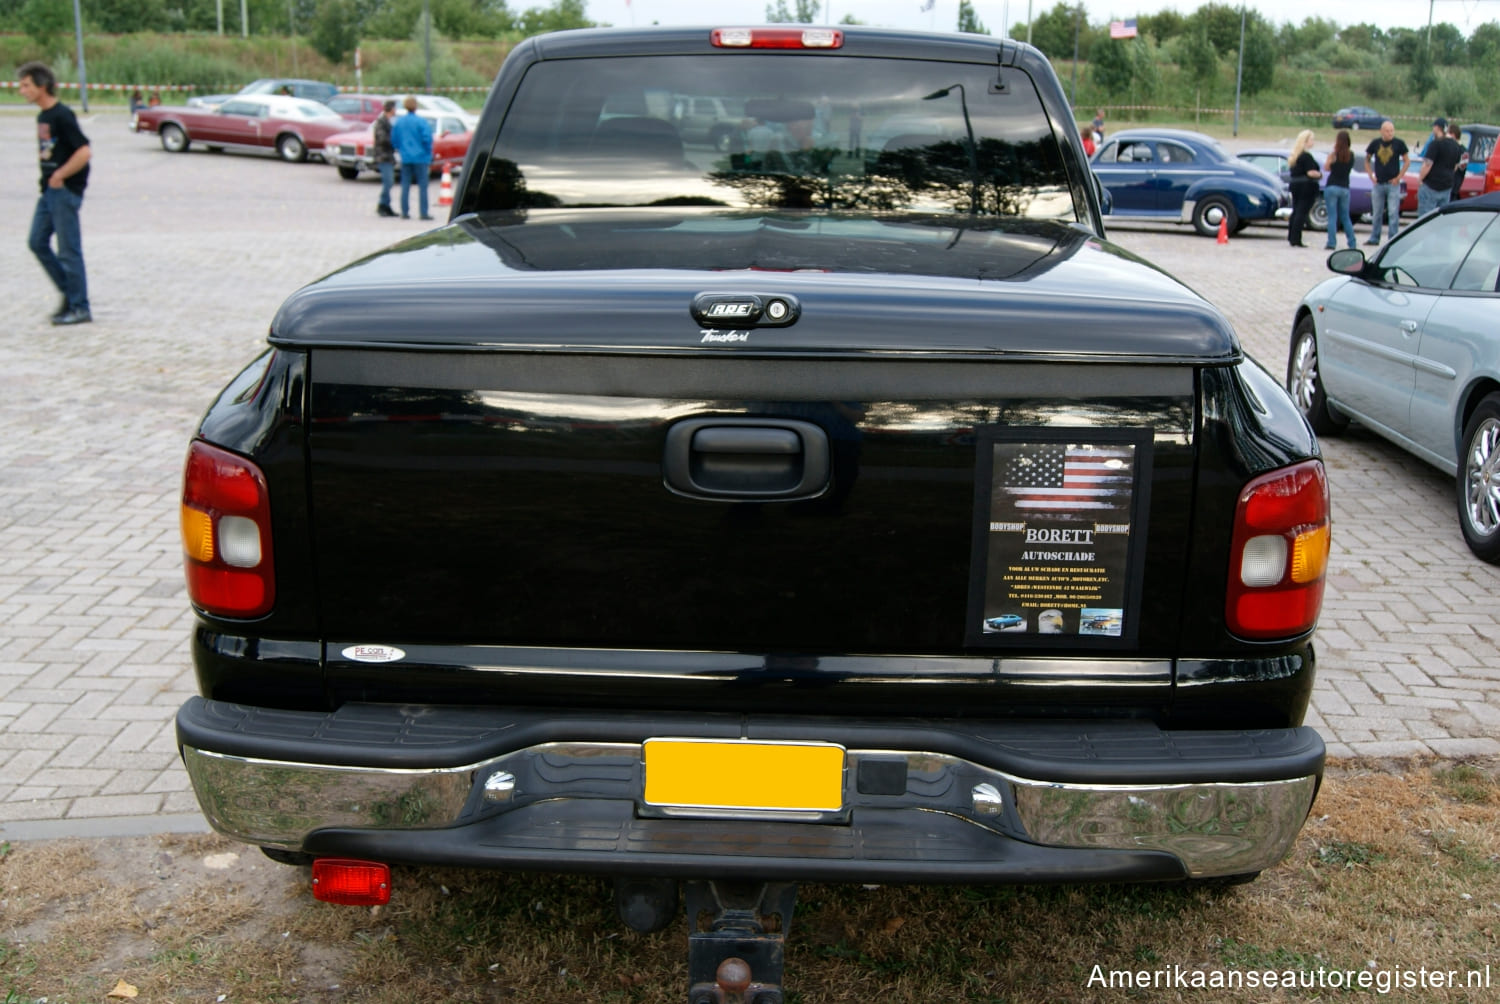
[[189, 256]]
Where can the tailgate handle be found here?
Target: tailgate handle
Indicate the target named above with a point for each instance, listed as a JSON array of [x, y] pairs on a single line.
[[746, 459]]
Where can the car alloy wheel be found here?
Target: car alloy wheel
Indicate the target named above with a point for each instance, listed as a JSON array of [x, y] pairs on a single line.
[[173, 139], [1305, 385], [1479, 481], [291, 149]]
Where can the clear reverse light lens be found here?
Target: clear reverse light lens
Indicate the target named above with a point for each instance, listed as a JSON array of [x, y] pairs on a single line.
[[239, 541], [1264, 561]]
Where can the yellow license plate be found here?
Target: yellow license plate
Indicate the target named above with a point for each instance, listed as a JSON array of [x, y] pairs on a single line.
[[730, 774]]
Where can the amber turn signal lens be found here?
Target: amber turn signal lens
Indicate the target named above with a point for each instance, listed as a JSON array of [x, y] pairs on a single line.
[[197, 534]]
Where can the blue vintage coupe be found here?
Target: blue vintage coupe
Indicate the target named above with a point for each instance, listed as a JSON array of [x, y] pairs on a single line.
[[1185, 177]]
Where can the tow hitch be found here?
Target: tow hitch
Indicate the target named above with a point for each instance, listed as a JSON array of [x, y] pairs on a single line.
[[736, 933], [737, 940]]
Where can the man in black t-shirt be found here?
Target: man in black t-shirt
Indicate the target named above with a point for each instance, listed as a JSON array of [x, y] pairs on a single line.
[[1386, 161], [1438, 163], [64, 153]]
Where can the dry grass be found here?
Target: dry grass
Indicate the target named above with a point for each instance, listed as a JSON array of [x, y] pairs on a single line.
[[1399, 867]]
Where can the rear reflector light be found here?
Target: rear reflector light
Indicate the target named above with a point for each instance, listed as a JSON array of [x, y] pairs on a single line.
[[1279, 559], [778, 38], [350, 882], [226, 534]]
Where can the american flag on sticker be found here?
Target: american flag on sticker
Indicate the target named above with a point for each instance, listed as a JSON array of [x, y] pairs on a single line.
[[1122, 29], [1058, 478]]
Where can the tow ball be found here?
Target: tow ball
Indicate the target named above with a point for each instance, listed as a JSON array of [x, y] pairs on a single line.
[[736, 933]]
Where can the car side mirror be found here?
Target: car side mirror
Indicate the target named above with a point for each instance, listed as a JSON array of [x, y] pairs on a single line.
[[1350, 261]]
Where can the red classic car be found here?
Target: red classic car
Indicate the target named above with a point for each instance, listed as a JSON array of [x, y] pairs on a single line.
[[358, 107], [350, 151], [1478, 142], [293, 127]]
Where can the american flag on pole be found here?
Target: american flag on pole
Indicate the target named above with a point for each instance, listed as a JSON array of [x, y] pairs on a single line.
[[927, 5], [1059, 478], [1122, 29]]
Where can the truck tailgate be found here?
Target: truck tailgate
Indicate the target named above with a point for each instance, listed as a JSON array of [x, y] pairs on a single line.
[[528, 499]]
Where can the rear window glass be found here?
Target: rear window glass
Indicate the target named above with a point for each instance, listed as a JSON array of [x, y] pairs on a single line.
[[780, 132]]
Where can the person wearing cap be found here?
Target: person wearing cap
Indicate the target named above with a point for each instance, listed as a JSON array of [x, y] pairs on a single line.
[[1386, 162], [1439, 161]]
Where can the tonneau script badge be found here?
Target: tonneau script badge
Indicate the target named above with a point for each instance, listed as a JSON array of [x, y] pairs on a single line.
[[745, 310]]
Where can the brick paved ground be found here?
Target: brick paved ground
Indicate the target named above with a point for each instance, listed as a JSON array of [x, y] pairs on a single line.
[[189, 257]]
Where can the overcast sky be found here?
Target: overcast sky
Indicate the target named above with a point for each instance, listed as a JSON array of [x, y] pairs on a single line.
[[997, 14]]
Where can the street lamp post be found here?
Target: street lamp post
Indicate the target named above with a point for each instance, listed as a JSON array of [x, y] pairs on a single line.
[[1239, 72], [427, 42], [83, 77]]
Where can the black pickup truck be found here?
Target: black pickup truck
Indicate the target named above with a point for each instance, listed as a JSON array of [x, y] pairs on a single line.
[[832, 501]]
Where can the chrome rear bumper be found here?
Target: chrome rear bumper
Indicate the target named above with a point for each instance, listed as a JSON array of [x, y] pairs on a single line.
[[908, 814]]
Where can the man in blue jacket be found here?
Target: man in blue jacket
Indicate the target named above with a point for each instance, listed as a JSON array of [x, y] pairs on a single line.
[[412, 137]]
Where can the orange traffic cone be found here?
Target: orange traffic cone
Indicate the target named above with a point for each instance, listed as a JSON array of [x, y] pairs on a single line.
[[1223, 237], [445, 189]]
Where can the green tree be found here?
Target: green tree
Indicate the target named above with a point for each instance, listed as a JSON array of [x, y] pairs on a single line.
[[1422, 79], [1221, 22], [334, 32], [1403, 43], [116, 16], [1145, 68], [1111, 65], [1200, 61], [562, 15], [1306, 37], [47, 22], [1163, 25], [1259, 71], [1484, 45], [454, 18], [1364, 37], [1315, 93], [1448, 46], [806, 12], [968, 21], [1052, 31]]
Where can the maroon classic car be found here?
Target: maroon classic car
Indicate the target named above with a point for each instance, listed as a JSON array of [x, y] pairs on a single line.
[[293, 127], [350, 151]]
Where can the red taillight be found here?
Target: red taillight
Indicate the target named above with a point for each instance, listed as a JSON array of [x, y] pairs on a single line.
[[1279, 562], [350, 882], [778, 38], [226, 534]]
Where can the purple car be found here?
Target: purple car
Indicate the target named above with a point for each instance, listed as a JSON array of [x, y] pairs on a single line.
[[1274, 161]]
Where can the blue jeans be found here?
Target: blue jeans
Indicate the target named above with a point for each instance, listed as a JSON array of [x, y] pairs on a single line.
[[387, 171], [1429, 199], [1336, 200], [1385, 201], [417, 173], [57, 213]]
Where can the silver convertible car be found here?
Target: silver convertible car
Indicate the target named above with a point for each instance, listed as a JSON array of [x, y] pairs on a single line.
[[1409, 344]]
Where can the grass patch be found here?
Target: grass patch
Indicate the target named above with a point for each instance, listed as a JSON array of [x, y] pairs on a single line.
[[1468, 783], [1398, 867]]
